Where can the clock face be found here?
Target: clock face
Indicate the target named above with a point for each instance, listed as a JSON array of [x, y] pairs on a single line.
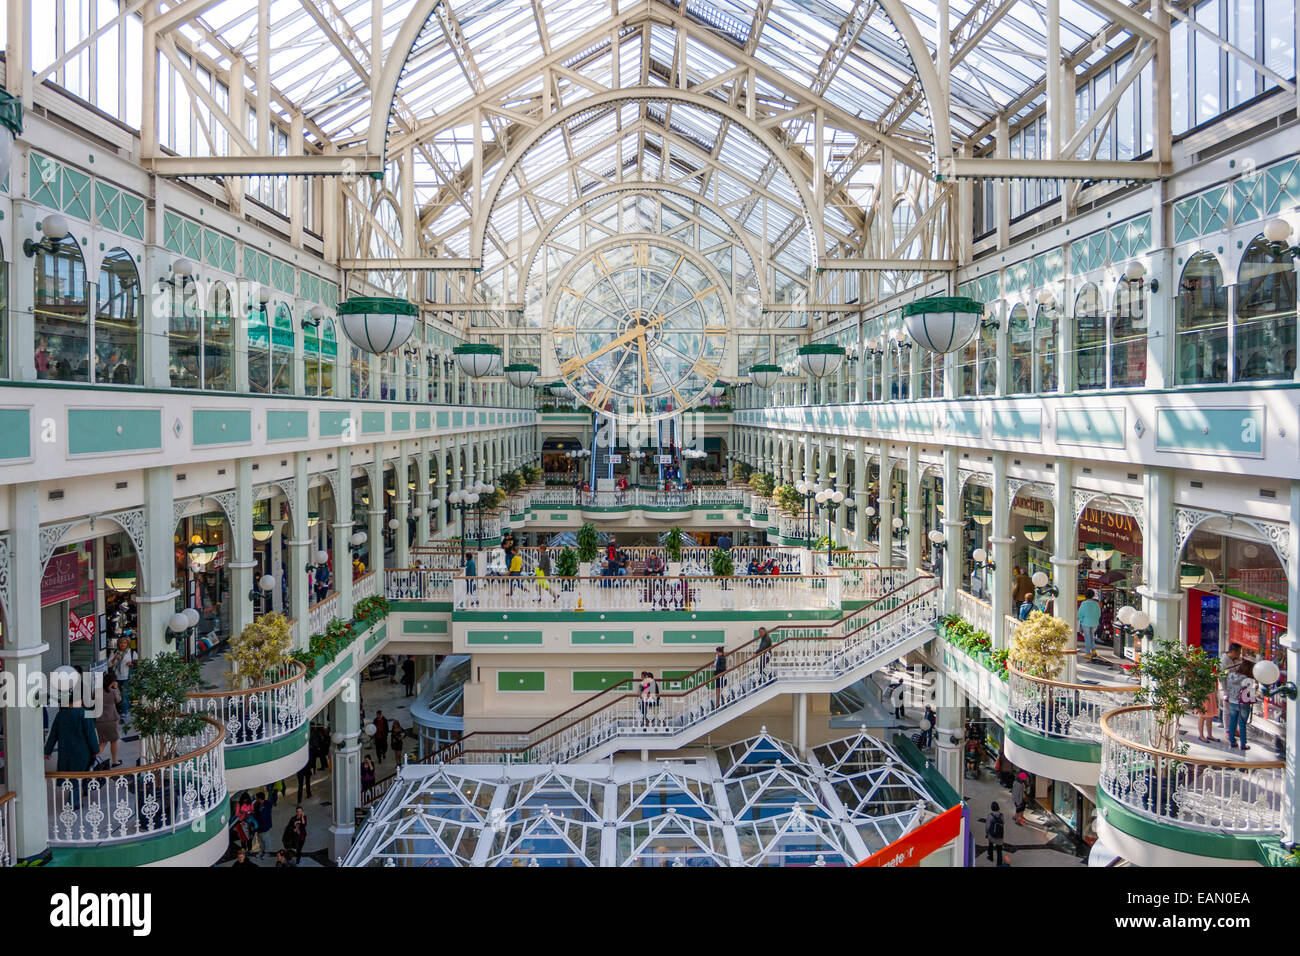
[[640, 328]]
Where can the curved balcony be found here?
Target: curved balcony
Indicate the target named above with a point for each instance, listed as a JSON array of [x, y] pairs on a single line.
[[1055, 726], [171, 812], [266, 726], [1160, 808]]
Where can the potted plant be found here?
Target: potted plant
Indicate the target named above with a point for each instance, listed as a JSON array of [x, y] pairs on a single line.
[[762, 484], [530, 473], [673, 549], [1176, 681], [789, 500], [588, 545], [511, 482], [1038, 648], [261, 648], [159, 686], [566, 566]]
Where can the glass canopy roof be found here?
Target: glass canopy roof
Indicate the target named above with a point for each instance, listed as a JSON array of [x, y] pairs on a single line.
[[754, 803]]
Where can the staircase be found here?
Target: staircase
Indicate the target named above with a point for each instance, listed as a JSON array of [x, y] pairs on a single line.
[[817, 658]]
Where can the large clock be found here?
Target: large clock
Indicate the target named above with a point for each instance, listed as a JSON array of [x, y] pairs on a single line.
[[639, 327]]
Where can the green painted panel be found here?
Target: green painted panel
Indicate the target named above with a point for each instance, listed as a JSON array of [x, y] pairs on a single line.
[[285, 425], [862, 418], [915, 420], [559, 517], [458, 419], [252, 755], [372, 423], [964, 422], [94, 431], [525, 681], [697, 637], [1018, 425], [15, 433], [222, 426], [1080, 751], [376, 638], [148, 849], [593, 682], [333, 424], [444, 419], [401, 421], [887, 420], [1090, 426], [1230, 431], [598, 638], [715, 517], [337, 671], [422, 421], [1173, 837], [425, 626], [503, 638]]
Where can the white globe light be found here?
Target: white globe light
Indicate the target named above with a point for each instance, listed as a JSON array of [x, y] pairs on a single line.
[[191, 615], [267, 582], [54, 227], [926, 723], [897, 523], [370, 730], [471, 499], [478, 359], [336, 738], [801, 487], [377, 325], [1277, 230], [433, 503], [1124, 615], [837, 497], [937, 537], [416, 512], [1040, 579], [821, 496], [980, 555], [1266, 672], [394, 524], [183, 268], [1134, 270], [870, 511], [850, 503], [178, 623], [1139, 620], [942, 324]]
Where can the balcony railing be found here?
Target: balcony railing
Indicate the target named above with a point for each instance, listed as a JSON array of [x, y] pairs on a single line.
[[111, 806], [418, 584], [275, 708], [365, 586], [758, 507], [1054, 708], [1219, 796], [796, 527], [437, 559], [977, 613], [861, 577], [640, 498], [649, 593], [321, 613], [7, 825]]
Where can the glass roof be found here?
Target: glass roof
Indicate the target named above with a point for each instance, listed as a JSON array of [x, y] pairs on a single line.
[[753, 803]]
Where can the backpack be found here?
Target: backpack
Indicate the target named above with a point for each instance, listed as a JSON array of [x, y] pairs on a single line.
[[995, 826]]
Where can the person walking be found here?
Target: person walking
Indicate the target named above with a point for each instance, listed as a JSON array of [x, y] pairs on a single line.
[[647, 692], [367, 772], [72, 734], [121, 662], [471, 585], [764, 649], [1020, 797], [106, 724], [396, 737], [295, 834], [381, 736], [719, 673], [322, 582], [304, 778], [261, 824], [408, 676], [1089, 617], [241, 858], [1241, 699], [994, 831]]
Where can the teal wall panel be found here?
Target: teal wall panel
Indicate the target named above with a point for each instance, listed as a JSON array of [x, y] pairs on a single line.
[[222, 426], [422, 420], [401, 421], [1231, 431], [94, 431], [1018, 425], [332, 424], [281, 426], [964, 422], [15, 433], [1090, 426], [372, 423], [602, 638], [700, 638], [503, 638]]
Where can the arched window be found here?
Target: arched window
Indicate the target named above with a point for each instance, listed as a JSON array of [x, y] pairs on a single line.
[[185, 335], [1264, 329], [1047, 326], [61, 313], [218, 336], [1128, 336], [900, 365], [282, 351], [329, 352], [1201, 320], [1089, 339], [311, 358], [116, 333], [359, 362], [259, 350], [987, 357], [1020, 353]]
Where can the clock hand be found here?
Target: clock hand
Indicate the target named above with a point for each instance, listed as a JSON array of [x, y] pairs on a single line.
[[578, 361]]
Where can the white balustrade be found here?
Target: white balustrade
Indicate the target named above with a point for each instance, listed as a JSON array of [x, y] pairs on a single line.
[[977, 613], [321, 613], [798, 654], [723, 497], [437, 558], [1216, 796], [564, 497], [758, 507], [365, 586], [795, 527], [273, 709], [111, 806], [419, 584], [1054, 708], [648, 593], [7, 825]]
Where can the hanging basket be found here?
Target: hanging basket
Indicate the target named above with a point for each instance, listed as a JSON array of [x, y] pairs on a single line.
[[477, 359], [943, 324], [821, 358], [521, 374], [764, 376]]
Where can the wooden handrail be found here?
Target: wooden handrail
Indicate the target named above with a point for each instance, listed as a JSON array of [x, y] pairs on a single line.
[[7, 796], [1170, 755], [1112, 688], [217, 741], [299, 666]]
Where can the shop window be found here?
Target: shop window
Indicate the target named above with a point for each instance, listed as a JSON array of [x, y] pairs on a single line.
[[117, 327], [185, 335], [1264, 330], [1089, 339], [1047, 326], [1020, 353], [1128, 338], [282, 343], [1201, 322], [62, 313], [218, 333], [359, 362], [259, 351]]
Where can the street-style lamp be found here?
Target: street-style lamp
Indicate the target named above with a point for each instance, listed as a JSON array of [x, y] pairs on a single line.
[[982, 559], [264, 585], [1043, 584]]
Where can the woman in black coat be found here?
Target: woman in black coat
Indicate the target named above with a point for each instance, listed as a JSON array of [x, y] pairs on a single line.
[[72, 734]]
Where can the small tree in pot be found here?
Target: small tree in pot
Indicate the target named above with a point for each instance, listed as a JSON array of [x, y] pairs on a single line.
[[1038, 647], [1177, 681], [261, 647], [158, 705], [673, 543], [566, 566], [588, 543]]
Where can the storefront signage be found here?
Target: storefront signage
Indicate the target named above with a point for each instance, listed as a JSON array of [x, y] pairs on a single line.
[[920, 843], [1119, 531], [62, 578], [1030, 507], [80, 628]]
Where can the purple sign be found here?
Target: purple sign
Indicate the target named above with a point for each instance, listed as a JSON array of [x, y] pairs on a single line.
[[62, 579]]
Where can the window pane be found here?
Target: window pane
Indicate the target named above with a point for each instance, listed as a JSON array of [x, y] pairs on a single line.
[[1020, 353], [218, 331], [1046, 330], [1201, 320], [62, 312], [1266, 315], [184, 336], [1128, 340], [1089, 340]]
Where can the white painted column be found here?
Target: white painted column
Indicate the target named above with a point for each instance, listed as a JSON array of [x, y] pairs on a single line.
[[1160, 565], [915, 514], [1065, 561], [953, 522], [241, 564], [343, 531], [300, 549], [156, 598], [345, 769], [1291, 805], [402, 508], [1000, 539]]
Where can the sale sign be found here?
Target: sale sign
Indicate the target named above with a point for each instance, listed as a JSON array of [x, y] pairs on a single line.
[[80, 628], [911, 849]]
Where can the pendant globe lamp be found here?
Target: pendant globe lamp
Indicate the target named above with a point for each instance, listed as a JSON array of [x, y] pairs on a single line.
[[477, 359], [377, 325], [764, 376], [521, 374], [942, 324], [820, 359]]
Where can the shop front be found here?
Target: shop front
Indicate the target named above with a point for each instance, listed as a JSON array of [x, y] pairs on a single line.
[[1110, 552]]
